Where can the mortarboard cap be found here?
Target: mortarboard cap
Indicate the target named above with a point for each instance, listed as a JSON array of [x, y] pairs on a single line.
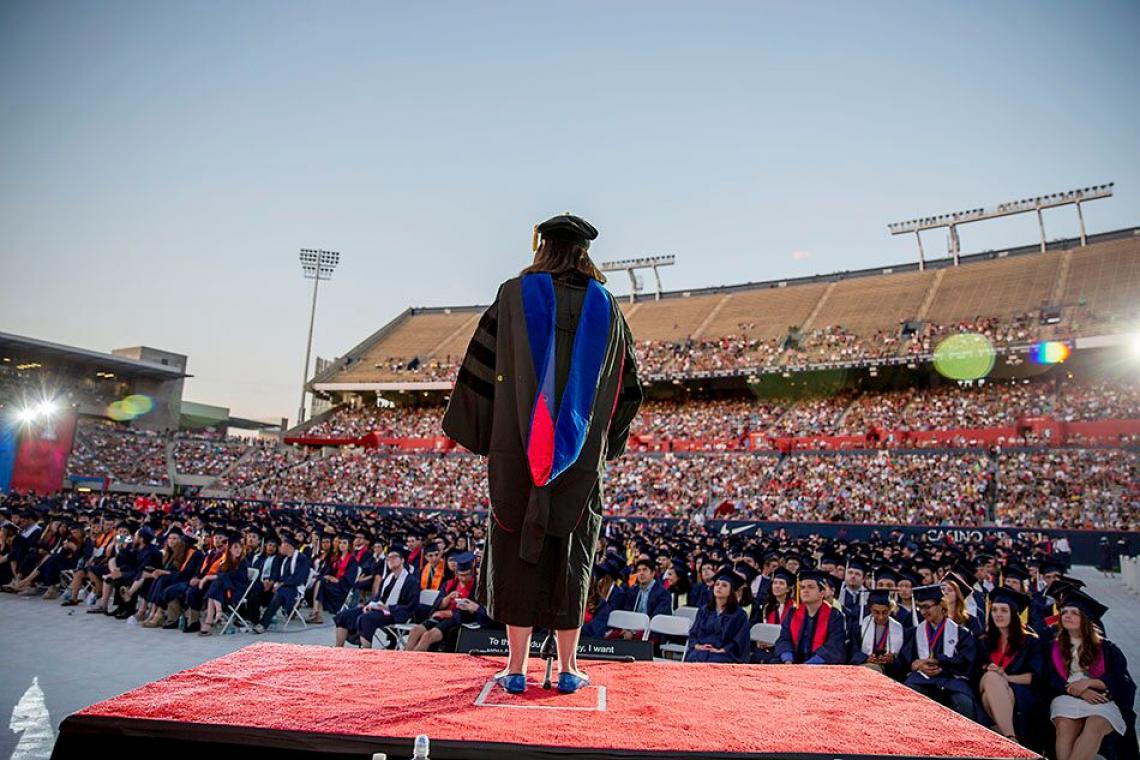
[[931, 593], [1085, 603], [729, 576], [818, 576], [464, 561], [879, 596], [1016, 600], [786, 575]]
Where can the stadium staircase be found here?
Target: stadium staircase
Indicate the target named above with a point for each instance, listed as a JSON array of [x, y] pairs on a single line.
[[171, 468], [212, 490], [806, 327], [930, 295]]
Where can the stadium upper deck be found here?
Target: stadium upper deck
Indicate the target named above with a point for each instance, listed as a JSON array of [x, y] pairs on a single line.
[[1093, 289]]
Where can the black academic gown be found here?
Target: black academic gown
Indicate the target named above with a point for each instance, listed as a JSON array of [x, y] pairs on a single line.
[[540, 540]]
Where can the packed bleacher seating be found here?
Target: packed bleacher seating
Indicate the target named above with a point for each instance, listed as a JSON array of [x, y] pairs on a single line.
[[390, 422], [837, 318], [205, 455], [107, 450]]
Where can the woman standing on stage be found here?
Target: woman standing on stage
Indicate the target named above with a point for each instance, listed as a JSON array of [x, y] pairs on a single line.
[[547, 391]]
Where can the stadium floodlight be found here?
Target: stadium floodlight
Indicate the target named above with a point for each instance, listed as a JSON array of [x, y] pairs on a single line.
[[317, 265], [1025, 205], [630, 266]]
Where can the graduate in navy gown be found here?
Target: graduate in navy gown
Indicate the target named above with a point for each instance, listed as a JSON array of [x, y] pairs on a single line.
[[605, 597], [393, 603], [940, 655], [1010, 667], [720, 632], [1092, 694], [815, 633]]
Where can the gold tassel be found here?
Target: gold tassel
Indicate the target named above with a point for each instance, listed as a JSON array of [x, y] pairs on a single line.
[[534, 240]]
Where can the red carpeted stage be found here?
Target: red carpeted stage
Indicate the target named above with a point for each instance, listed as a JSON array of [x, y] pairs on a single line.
[[279, 700]]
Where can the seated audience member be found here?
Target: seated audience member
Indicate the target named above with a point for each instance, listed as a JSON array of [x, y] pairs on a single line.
[[878, 639], [720, 631], [453, 603], [228, 587], [815, 633], [194, 597], [905, 611], [268, 565], [170, 586], [394, 603], [775, 608], [1091, 689], [1011, 657], [648, 596], [605, 596], [295, 569], [940, 655], [339, 578], [147, 557], [701, 592], [92, 568]]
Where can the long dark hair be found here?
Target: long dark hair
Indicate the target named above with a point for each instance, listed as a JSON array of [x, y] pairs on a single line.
[[772, 603], [1091, 639], [560, 256], [730, 605], [1016, 634]]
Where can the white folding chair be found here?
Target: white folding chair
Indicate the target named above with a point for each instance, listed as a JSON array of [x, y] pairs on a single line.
[[231, 610], [351, 598], [686, 612], [630, 621], [670, 625], [296, 611], [400, 631], [764, 633]]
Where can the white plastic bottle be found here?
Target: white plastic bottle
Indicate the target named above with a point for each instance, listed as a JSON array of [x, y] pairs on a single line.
[[420, 748]]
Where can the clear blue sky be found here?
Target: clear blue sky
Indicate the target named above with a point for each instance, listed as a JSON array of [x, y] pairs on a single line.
[[162, 163]]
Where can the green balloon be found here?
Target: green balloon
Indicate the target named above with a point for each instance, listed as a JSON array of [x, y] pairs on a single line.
[[966, 356]]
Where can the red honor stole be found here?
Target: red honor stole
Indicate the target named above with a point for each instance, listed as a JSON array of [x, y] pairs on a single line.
[[820, 635], [788, 607]]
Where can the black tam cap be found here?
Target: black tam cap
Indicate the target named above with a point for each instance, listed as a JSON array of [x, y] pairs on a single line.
[[568, 227]]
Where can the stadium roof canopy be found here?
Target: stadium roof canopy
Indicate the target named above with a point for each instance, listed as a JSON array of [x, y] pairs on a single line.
[[22, 348]]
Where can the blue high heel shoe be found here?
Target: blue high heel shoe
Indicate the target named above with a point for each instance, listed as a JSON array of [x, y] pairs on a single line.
[[568, 683], [514, 683]]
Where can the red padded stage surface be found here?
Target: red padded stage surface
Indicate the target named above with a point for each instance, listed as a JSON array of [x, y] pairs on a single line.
[[352, 702]]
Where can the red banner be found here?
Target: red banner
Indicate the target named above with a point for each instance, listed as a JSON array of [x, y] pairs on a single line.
[[41, 460]]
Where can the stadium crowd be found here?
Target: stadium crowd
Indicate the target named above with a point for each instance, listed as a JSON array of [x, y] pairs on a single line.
[[106, 450], [1052, 488], [992, 628]]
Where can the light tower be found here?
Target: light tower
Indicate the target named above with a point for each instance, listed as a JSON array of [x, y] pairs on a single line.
[[317, 265], [630, 266]]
